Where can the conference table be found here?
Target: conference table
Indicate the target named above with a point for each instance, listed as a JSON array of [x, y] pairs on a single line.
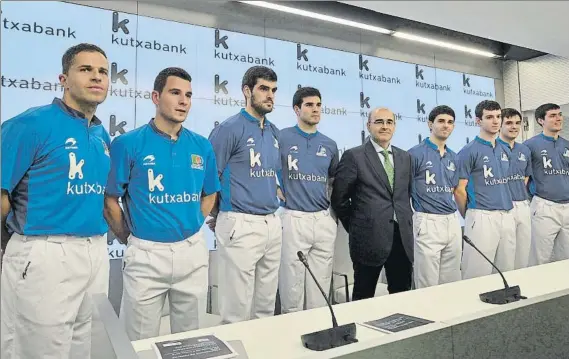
[[279, 336]]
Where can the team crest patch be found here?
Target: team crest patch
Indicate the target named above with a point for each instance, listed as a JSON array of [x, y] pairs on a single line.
[[522, 157], [566, 153], [321, 151], [276, 143], [197, 162], [451, 166], [504, 156]]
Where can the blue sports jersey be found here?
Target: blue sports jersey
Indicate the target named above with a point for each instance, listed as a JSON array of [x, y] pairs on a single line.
[[248, 161], [161, 181], [55, 167], [519, 168], [486, 169], [308, 162], [550, 167], [434, 178]]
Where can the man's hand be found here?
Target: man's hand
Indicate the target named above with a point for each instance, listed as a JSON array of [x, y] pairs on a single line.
[[211, 223], [280, 194]]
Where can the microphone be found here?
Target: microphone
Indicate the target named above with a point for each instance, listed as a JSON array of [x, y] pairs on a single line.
[[334, 337], [500, 296]]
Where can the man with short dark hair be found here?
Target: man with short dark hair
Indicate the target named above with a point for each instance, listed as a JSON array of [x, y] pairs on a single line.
[[309, 160], [167, 178], [483, 197], [55, 163], [247, 230], [436, 226], [518, 173], [549, 185]]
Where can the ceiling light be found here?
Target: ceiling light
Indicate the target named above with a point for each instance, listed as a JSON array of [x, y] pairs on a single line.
[[443, 44], [318, 16]]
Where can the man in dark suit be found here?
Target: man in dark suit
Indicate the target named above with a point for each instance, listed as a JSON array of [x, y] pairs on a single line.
[[371, 198]]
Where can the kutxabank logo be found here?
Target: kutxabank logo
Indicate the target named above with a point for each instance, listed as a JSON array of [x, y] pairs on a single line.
[[221, 96], [37, 28], [420, 81], [365, 74], [222, 51], [303, 64], [473, 92], [121, 25]]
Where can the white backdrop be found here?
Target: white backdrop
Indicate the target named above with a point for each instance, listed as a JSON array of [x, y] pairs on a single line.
[[34, 38]]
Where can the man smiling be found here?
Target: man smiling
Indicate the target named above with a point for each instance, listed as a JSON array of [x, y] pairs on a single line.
[[436, 227], [518, 173]]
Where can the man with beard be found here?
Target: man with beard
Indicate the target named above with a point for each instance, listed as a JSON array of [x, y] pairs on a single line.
[[436, 226], [167, 178], [247, 230], [518, 174], [549, 185], [483, 197], [309, 160], [55, 163]]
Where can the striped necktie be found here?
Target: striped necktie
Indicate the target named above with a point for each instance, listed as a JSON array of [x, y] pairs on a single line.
[[388, 167]]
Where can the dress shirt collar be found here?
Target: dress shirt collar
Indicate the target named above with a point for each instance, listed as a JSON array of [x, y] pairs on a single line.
[[378, 148]]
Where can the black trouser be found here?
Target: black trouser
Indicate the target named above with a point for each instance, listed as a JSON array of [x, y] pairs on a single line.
[[398, 270]]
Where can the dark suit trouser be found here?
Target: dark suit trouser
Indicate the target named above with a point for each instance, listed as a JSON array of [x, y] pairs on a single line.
[[398, 270]]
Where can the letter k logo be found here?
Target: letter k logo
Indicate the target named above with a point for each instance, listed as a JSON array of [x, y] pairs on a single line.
[[547, 162], [292, 163], [220, 40], [418, 73], [465, 80], [363, 63], [467, 112], [488, 171], [300, 53], [364, 101], [420, 107], [430, 178], [220, 86], [118, 75], [254, 158], [119, 24]]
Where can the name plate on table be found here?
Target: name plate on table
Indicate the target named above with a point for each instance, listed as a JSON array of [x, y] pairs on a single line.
[[204, 347], [396, 323]]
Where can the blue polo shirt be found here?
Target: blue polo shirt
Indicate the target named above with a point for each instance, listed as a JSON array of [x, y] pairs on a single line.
[[486, 169], [161, 181], [55, 167], [248, 161], [434, 178], [550, 166], [519, 169], [309, 161]]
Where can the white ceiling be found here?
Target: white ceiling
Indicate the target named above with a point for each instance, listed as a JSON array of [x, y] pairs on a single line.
[[538, 25]]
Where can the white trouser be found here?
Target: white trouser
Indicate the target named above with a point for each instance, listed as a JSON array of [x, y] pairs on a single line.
[[438, 248], [154, 269], [47, 287], [314, 234], [549, 231], [521, 214], [494, 234], [249, 260]]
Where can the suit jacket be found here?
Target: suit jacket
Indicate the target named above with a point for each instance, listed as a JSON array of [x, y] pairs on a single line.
[[364, 202]]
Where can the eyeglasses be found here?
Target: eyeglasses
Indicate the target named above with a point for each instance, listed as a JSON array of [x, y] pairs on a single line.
[[383, 122]]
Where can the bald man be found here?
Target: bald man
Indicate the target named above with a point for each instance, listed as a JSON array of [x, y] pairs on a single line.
[[371, 198]]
